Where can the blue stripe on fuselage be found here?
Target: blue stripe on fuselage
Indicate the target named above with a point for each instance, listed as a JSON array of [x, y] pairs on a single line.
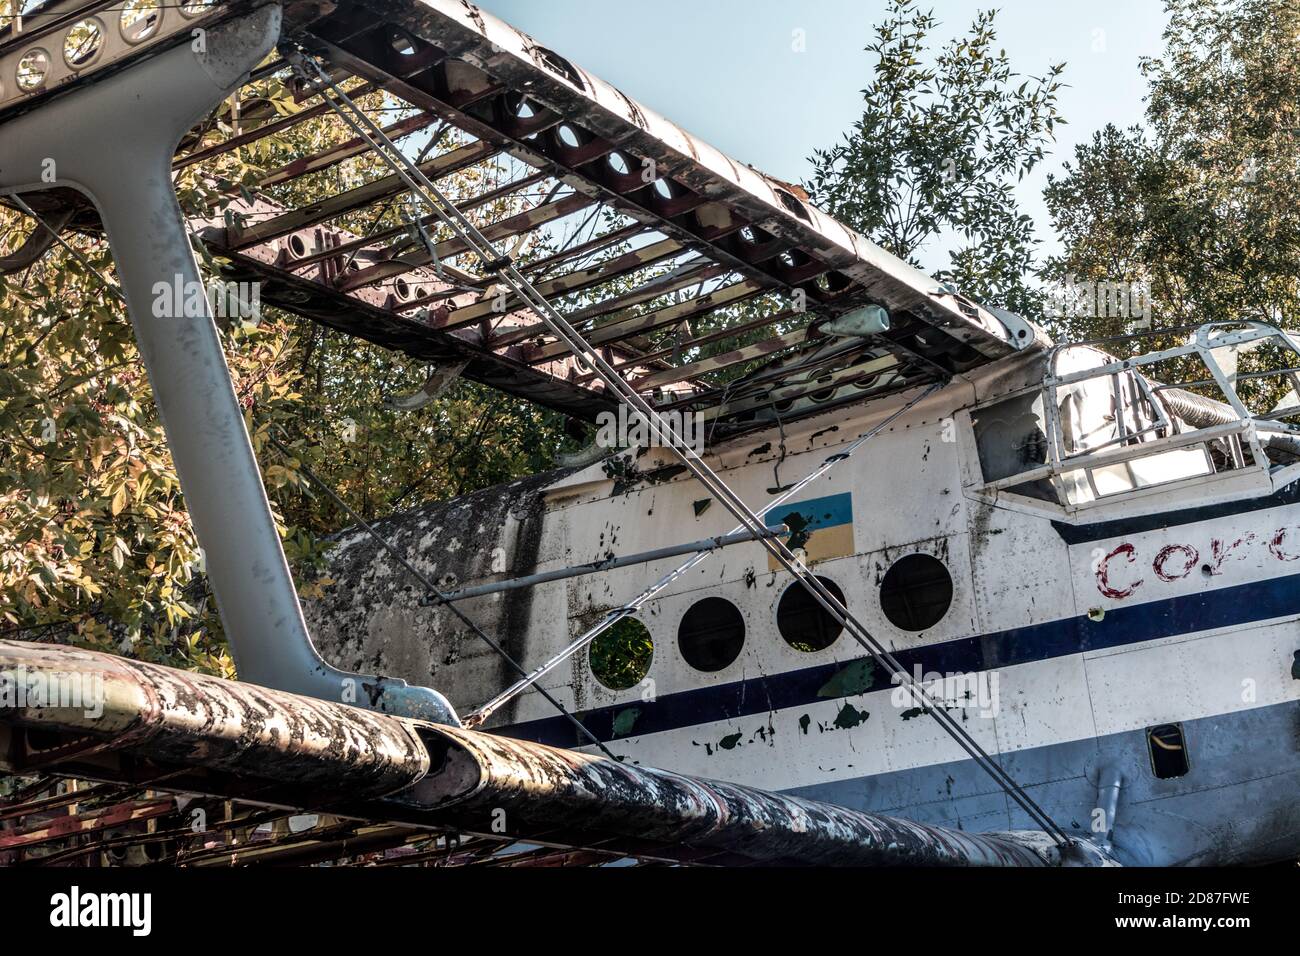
[[1224, 607]]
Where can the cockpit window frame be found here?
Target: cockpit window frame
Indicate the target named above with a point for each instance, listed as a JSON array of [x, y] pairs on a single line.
[[1245, 470]]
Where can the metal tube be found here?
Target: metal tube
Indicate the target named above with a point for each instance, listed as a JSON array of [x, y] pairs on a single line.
[[224, 738], [1109, 784], [703, 546]]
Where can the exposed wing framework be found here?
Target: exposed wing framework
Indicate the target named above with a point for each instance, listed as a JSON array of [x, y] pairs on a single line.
[[703, 280]]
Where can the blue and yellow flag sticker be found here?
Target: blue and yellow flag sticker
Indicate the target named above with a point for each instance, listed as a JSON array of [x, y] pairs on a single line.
[[823, 527]]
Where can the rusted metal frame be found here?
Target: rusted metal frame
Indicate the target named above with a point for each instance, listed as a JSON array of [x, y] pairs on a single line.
[[240, 854], [606, 113], [106, 756], [308, 216], [266, 129], [63, 827], [685, 345], [528, 153], [722, 361], [311, 846], [267, 71], [490, 133], [254, 107], [665, 854], [342, 152], [813, 358], [8, 812], [847, 376], [751, 385], [289, 251], [355, 314], [444, 164], [574, 839], [546, 857], [894, 343], [593, 245], [242, 114], [473, 202], [363, 57], [464, 281], [750, 393], [651, 290], [644, 851], [28, 794], [421, 224], [252, 817], [462, 852], [746, 354], [547, 211], [594, 853], [562, 285], [634, 329], [506, 228], [621, 329]]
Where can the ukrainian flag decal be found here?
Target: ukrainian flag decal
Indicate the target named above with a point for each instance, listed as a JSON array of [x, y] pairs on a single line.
[[823, 527]]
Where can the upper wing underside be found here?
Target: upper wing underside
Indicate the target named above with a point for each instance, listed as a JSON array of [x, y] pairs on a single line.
[[704, 281]]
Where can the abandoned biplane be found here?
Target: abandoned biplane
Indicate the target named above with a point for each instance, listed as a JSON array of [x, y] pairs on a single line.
[[928, 588]]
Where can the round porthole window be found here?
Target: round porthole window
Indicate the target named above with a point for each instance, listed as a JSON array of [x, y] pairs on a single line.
[[620, 656], [804, 624], [916, 592], [194, 8], [32, 70], [711, 634], [83, 42], [139, 20]]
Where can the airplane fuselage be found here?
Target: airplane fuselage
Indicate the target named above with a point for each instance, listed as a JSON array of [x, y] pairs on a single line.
[[1131, 661]]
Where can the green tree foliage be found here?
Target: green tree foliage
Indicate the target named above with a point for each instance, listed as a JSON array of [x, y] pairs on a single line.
[[1203, 200], [944, 137], [620, 656]]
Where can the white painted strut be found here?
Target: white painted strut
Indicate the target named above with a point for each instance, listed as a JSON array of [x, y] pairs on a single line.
[[114, 140]]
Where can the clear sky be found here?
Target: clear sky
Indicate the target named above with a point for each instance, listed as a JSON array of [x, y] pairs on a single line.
[[725, 69]]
